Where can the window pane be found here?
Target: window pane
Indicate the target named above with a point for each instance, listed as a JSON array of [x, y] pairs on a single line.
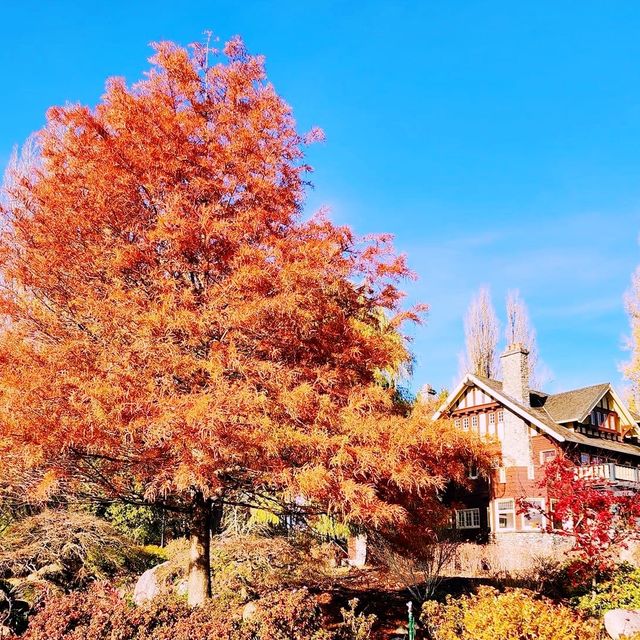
[[468, 518], [505, 521]]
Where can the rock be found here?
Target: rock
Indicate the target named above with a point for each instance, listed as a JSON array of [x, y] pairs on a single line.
[[148, 585], [5, 632], [622, 622], [249, 611], [182, 588]]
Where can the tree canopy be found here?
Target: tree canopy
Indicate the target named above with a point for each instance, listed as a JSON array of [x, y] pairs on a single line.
[[174, 328]]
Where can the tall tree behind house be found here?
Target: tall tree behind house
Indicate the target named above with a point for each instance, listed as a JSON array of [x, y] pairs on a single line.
[[482, 332], [632, 368], [519, 330]]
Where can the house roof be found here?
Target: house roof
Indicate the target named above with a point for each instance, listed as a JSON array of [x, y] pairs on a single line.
[[549, 412], [575, 405]]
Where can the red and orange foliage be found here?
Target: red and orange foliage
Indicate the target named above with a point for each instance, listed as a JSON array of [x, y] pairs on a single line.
[[598, 517], [175, 329]]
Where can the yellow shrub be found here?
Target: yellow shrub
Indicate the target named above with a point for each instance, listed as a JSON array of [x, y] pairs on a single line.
[[513, 615]]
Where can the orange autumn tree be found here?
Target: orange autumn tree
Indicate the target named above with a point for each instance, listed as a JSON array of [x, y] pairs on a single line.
[[175, 332]]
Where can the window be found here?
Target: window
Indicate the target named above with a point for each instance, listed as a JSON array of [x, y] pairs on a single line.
[[533, 518], [506, 514], [474, 421], [547, 456], [467, 518], [492, 418], [611, 422], [465, 423], [456, 423], [473, 472], [500, 415], [584, 458]]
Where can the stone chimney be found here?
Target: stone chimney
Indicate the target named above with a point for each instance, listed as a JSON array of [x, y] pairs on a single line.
[[515, 372]]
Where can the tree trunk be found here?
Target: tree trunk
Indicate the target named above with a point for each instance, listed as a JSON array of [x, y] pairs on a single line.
[[199, 584]]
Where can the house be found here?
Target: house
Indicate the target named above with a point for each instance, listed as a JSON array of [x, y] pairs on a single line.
[[592, 425]]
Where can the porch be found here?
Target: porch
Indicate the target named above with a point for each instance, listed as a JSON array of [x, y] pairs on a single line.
[[610, 472]]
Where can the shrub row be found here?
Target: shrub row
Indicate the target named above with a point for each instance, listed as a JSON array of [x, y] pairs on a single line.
[[100, 613]]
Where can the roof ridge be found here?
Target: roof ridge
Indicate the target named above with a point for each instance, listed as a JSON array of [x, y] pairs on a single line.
[[590, 386]]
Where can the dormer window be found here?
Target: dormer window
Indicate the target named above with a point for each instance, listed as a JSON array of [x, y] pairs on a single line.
[[605, 420]]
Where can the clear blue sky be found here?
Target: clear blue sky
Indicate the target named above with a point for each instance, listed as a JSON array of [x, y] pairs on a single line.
[[498, 141]]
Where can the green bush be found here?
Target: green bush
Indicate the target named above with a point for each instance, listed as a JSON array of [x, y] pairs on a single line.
[[141, 524], [620, 591]]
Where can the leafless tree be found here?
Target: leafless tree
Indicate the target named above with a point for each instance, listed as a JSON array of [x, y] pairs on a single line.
[[520, 330], [424, 567], [632, 367], [482, 332]]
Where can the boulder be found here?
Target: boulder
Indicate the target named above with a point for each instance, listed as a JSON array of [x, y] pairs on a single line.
[[182, 588], [148, 585], [249, 611], [622, 622]]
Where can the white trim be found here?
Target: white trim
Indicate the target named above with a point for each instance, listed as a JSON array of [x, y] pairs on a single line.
[[452, 397], [498, 511], [621, 404], [470, 380], [516, 409], [617, 399]]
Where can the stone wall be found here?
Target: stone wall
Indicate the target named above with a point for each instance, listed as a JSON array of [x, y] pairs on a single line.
[[510, 552]]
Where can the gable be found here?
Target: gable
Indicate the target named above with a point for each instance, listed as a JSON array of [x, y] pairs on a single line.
[[493, 390], [609, 402], [575, 405], [471, 397]]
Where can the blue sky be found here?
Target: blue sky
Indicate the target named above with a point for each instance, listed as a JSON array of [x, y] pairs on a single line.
[[498, 141]]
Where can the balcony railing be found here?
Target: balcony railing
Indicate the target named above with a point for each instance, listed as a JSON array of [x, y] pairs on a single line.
[[610, 472]]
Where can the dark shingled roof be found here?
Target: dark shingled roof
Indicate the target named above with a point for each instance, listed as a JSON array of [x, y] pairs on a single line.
[[575, 405]]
